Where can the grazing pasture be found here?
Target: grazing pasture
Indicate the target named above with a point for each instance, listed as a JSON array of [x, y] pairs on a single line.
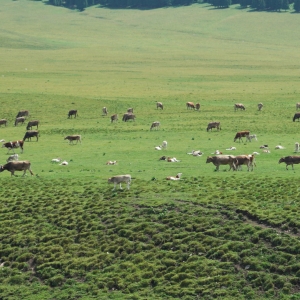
[[212, 235]]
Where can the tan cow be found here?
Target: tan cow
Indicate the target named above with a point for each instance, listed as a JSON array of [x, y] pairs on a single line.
[[239, 106], [239, 135], [190, 105], [240, 160], [159, 105], [114, 118], [155, 124], [119, 179], [221, 160], [72, 138], [290, 160], [13, 166], [3, 122], [212, 125]]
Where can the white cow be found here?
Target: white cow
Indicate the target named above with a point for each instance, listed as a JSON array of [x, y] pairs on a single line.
[[13, 157], [177, 177], [164, 144], [251, 137], [118, 179]]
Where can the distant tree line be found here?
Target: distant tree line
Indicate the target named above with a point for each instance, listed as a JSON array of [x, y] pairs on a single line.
[[270, 5]]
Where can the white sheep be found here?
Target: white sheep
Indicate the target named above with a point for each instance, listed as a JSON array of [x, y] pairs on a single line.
[[297, 147], [231, 148], [279, 147], [64, 163], [177, 177], [13, 157], [164, 145], [157, 148]]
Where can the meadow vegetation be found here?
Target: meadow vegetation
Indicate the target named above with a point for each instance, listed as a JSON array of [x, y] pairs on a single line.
[[212, 235]]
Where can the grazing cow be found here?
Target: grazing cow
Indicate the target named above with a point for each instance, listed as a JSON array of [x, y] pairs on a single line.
[[177, 177], [239, 135], [128, 116], [13, 166], [212, 125], [3, 122], [14, 145], [290, 160], [296, 116], [240, 160], [260, 106], [72, 112], [72, 138], [13, 157], [130, 110], [297, 105], [221, 160], [32, 133], [190, 105], [155, 124], [33, 123], [251, 137], [119, 179], [104, 111], [23, 113], [114, 118], [159, 105], [297, 147], [239, 106], [164, 145], [19, 120], [197, 106], [279, 147]]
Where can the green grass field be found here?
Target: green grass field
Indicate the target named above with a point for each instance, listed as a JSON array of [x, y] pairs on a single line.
[[212, 235]]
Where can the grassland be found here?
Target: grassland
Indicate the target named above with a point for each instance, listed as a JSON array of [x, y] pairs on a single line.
[[213, 235]]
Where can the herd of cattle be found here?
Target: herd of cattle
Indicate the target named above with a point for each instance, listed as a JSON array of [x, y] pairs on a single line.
[[234, 162]]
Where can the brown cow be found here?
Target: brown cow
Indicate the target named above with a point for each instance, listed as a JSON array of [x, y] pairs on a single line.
[[72, 138], [32, 133], [128, 116], [239, 106], [3, 122], [212, 125], [13, 145], [19, 120], [197, 106], [72, 112], [114, 118], [239, 135], [240, 160], [221, 160], [296, 116], [33, 123], [159, 105], [23, 113], [190, 105], [13, 166], [290, 160]]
